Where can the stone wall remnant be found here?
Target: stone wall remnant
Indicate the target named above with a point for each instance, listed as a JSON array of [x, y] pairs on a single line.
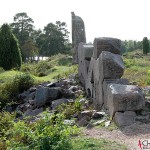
[[100, 70]]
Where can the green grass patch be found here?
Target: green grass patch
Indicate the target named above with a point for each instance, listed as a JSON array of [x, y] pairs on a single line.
[[83, 143], [137, 68], [8, 75]]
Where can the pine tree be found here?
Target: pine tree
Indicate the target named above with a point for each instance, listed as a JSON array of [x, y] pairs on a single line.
[[10, 55], [145, 45]]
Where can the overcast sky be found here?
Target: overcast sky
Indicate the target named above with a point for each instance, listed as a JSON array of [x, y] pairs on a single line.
[[124, 19]]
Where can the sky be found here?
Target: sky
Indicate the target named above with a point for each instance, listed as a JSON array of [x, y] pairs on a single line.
[[123, 19]]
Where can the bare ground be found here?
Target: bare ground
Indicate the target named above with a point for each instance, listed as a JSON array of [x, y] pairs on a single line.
[[128, 136]]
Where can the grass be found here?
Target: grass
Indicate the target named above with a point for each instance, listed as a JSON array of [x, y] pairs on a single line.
[[111, 127], [83, 143], [55, 66], [137, 68], [8, 75]]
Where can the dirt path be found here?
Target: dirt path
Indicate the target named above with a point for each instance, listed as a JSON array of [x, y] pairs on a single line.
[[128, 136]]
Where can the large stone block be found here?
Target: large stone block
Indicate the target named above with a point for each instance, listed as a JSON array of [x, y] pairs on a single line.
[[124, 119], [124, 98], [89, 81], [85, 52], [111, 65], [98, 99], [106, 44], [45, 94], [107, 82]]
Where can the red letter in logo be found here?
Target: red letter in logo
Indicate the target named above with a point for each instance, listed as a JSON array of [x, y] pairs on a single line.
[[140, 145]]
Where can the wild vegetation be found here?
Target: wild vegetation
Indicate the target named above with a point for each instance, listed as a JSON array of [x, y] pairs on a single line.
[[137, 68]]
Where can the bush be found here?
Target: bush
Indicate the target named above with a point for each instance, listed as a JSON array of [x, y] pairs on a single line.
[[1, 70], [129, 63], [9, 91], [48, 133], [5, 122], [70, 109]]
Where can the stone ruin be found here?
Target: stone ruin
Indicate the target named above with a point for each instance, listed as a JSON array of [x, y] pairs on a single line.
[[100, 68], [78, 35]]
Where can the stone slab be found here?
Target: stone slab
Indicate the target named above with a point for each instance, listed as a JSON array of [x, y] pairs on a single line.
[[124, 98]]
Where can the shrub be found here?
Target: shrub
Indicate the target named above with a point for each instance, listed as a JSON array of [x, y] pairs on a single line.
[[5, 122], [70, 109], [48, 133], [9, 91], [1, 70], [129, 63]]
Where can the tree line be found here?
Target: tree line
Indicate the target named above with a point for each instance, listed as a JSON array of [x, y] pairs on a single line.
[[131, 45], [21, 37]]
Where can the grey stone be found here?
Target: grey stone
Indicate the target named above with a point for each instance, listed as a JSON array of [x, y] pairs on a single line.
[[124, 119], [45, 94], [69, 122], [98, 115], [124, 98], [106, 44], [51, 85], [68, 93], [34, 112], [32, 89], [84, 121], [98, 99], [29, 96], [58, 102], [111, 65], [85, 51], [143, 119], [73, 88], [107, 82], [98, 122], [107, 123], [88, 113], [32, 102], [23, 95], [78, 35]]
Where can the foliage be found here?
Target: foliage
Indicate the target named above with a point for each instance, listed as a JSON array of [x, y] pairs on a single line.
[[29, 49], [145, 45], [129, 63], [130, 45], [22, 26], [137, 68], [6, 122], [54, 40], [1, 70], [83, 143], [49, 132], [9, 91], [10, 56], [70, 109]]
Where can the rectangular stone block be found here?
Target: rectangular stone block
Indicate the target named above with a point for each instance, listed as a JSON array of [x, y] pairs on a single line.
[[98, 99], [106, 44], [111, 65], [124, 98], [107, 82]]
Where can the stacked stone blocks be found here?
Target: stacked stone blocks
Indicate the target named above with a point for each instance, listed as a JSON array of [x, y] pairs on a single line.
[[100, 70]]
